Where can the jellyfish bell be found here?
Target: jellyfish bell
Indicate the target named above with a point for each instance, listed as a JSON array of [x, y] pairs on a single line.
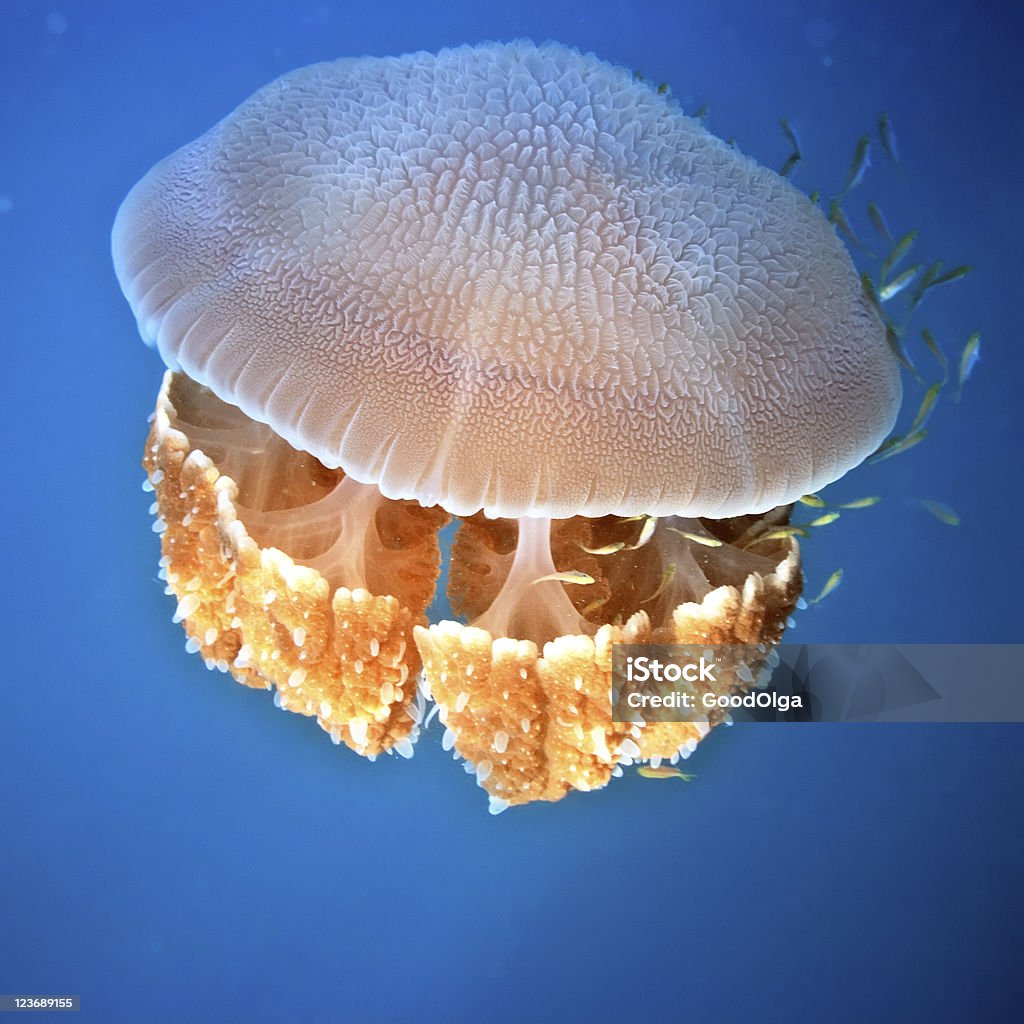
[[510, 284], [510, 278]]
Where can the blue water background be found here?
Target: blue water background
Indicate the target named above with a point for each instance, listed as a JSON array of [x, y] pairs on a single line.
[[173, 849]]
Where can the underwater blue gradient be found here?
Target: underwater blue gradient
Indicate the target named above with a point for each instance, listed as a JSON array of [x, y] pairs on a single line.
[[172, 849]]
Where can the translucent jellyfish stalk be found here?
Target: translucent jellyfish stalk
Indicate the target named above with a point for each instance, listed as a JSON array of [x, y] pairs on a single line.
[[530, 606]]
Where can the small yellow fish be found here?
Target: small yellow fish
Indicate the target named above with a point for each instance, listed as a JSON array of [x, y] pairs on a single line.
[[646, 533], [813, 501], [897, 284], [940, 356], [703, 111], [666, 579], [697, 538], [662, 88], [878, 220], [572, 576], [943, 513], [605, 549], [888, 138], [791, 137], [782, 533], [825, 520], [815, 197], [861, 502], [899, 250], [663, 771], [837, 217], [871, 292], [924, 283], [968, 360], [934, 278], [791, 162], [951, 275], [830, 584], [895, 338], [926, 407], [896, 445], [861, 162]]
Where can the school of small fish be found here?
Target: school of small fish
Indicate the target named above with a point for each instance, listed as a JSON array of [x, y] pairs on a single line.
[[894, 281]]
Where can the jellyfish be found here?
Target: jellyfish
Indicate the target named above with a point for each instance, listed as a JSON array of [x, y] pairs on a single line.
[[509, 291]]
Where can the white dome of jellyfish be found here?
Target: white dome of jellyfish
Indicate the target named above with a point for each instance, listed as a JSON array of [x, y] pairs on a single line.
[[515, 287]]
